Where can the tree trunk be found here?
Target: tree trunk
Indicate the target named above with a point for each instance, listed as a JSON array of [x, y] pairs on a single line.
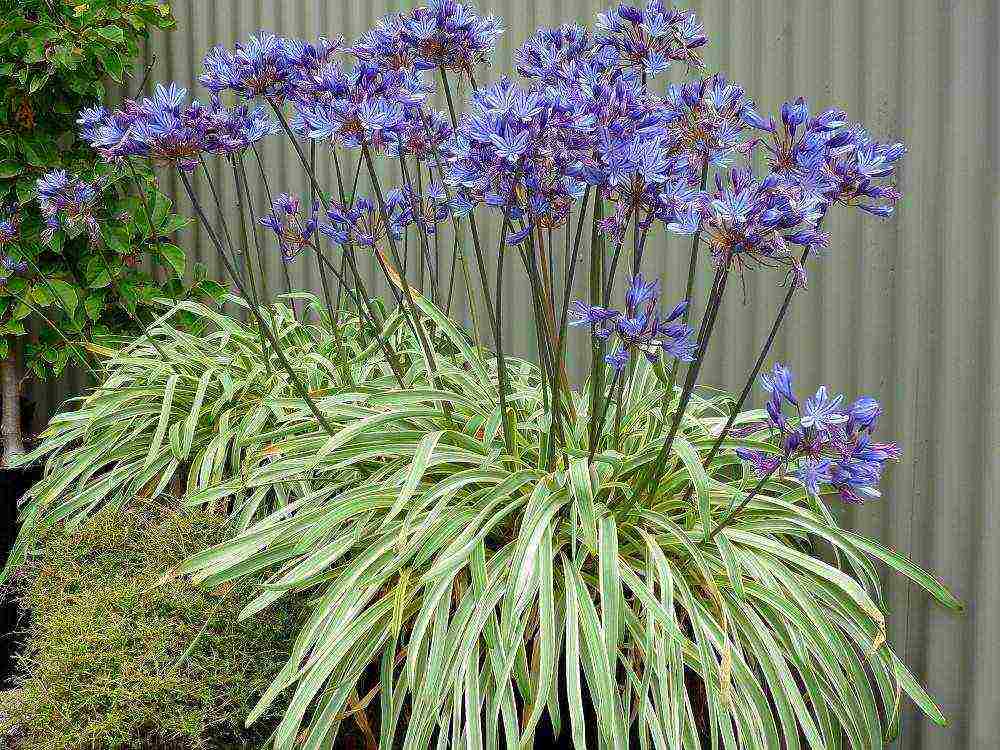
[[10, 403]]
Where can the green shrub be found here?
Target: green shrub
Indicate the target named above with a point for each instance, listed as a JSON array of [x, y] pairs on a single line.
[[91, 272], [120, 655]]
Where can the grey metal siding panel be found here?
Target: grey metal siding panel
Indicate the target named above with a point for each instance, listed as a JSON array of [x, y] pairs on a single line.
[[904, 308]]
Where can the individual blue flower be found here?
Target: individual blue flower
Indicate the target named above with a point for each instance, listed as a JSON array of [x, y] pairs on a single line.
[[864, 413], [652, 38], [778, 383], [822, 411], [593, 315], [294, 232]]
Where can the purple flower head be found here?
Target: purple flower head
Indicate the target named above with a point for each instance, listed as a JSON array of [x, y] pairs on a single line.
[[449, 34], [641, 328], [368, 105], [425, 210], [361, 224], [711, 118], [828, 446], [68, 203], [265, 65], [384, 45], [650, 39], [861, 173], [827, 157], [519, 149], [758, 221], [293, 231], [444, 34], [168, 131], [231, 131], [552, 55], [10, 221], [641, 291]]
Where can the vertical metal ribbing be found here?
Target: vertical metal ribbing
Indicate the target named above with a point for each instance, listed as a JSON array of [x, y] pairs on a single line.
[[905, 308]]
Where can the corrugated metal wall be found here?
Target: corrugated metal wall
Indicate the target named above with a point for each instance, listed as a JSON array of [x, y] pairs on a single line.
[[905, 308]]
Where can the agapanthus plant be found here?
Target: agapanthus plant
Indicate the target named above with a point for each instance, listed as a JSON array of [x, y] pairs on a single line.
[[481, 537]]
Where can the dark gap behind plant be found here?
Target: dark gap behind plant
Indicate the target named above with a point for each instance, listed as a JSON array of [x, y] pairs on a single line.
[[13, 484]]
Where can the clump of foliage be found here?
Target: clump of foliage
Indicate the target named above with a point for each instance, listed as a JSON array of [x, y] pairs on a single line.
[[121, 653], [85, 260], [182, 412], [478, 536]]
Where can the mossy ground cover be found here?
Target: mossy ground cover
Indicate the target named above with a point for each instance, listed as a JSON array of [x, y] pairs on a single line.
[[119, 653]]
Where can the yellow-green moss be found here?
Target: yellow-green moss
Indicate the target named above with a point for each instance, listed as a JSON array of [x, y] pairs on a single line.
[[108, 660]]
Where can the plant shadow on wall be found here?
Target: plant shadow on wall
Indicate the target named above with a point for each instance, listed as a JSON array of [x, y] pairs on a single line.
[[484, 546]]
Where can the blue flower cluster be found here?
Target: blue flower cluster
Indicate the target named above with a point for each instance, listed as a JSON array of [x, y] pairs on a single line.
[[554, 55], [361, 224], [168, 131], [586, 118], [266, 65], [368, 105], [294, 233], [518, 143], [10, 222], [68, 203], [640, 328], [756, 221], [444, 34], [650, 39], [709, 119], [830, 157], [825, 443], [423, 209]]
